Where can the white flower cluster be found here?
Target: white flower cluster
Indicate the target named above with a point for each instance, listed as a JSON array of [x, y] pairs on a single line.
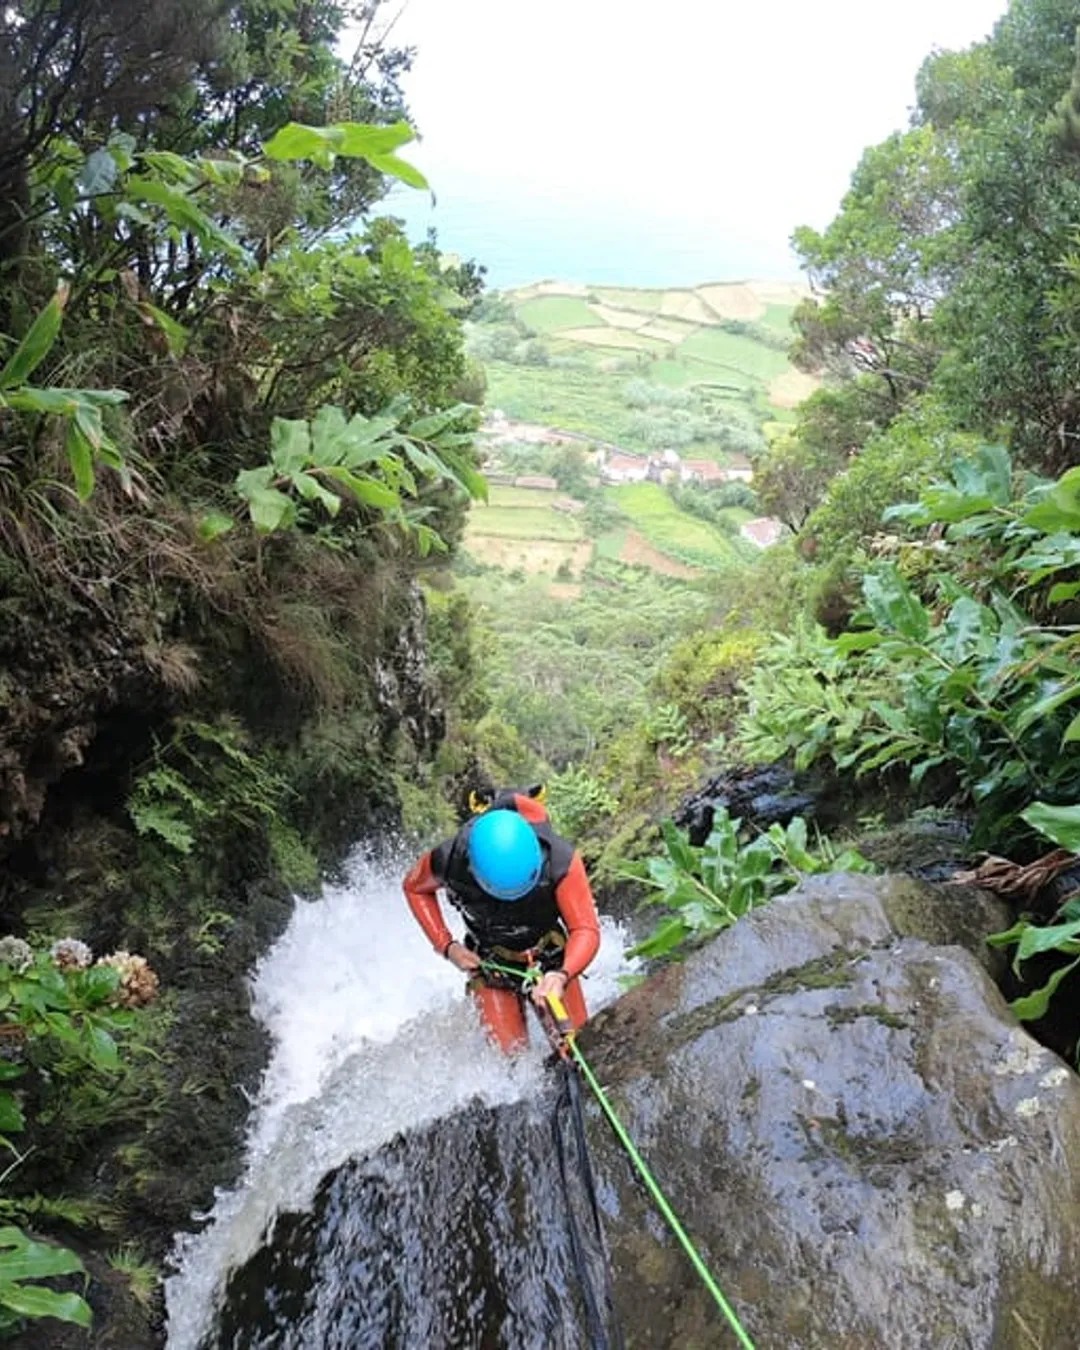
[[16, 953], [71, 954]]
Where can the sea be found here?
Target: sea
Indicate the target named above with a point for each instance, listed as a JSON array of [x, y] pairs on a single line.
[[521, 239]]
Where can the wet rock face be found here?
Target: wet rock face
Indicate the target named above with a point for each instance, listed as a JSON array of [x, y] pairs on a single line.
[[868, 1149], [761, 795], [476, 1232], [406, 691]]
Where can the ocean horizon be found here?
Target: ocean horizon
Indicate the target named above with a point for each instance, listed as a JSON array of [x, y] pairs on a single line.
[[520, 241]]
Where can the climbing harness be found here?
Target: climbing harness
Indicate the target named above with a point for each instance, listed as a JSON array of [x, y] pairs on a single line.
[[563, 1036]]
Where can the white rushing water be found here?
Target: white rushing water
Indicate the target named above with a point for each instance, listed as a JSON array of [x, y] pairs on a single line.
[[372, 1035]]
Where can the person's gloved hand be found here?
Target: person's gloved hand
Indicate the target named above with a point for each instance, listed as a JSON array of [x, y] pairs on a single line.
[[459, 955], [554, 982]]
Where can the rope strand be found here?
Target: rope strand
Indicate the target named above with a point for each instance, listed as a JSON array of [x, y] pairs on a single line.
[[569, 1042]]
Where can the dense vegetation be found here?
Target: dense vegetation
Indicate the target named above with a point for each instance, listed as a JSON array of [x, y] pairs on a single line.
[[920, 630], [235, 417], [236, 421]]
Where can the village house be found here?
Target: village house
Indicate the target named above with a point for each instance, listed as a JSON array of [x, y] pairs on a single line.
[[622, 467], [739, 469], [763, 531], [705, 471]]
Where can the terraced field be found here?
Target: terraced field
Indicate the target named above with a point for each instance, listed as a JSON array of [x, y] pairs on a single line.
[[703, 371], [725, 340], [674, 533]]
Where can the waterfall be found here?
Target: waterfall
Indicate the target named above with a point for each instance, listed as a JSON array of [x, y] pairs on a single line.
[[372, 1039]]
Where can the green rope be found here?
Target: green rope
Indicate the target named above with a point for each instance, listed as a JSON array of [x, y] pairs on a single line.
[[526, 974], [661, 1200], [530, 976]]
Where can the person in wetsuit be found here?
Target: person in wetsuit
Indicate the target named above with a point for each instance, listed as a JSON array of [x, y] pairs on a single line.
[[526, 900]]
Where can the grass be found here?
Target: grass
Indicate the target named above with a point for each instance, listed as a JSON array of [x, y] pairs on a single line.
[[523, 522], [501, 494], [737, 353], [532, 556], [645, 302], [680, 372], [671, 531], [620, 339], [549, 313], [611, 545], [778, 318], [142, 1275], [588, 401]]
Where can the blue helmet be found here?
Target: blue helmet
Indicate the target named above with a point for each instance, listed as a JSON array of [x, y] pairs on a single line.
[[504, 854]]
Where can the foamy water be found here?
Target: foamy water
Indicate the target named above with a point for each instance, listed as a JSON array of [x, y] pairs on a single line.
[[372, 1035]]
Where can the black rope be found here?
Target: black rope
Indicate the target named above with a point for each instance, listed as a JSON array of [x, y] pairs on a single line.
[[598, 1319]]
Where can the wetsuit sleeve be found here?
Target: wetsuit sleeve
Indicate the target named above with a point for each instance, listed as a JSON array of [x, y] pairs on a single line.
[[421, 887], [578, 910]]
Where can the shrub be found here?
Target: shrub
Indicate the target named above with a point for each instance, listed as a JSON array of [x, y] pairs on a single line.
[[709, 888], [62, 1015]]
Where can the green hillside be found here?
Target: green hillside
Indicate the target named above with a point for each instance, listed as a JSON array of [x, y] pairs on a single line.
[[704, 370]]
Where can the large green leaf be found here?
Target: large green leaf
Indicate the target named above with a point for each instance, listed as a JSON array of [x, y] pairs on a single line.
[[11, 1114], [1048, 703], [311, 489], [296, 141], [23, 1259], [182, 210], [171, 166], [36, 344], [1049, 555], [967, 628], [29, 1300], [369, 491], [80, 454], [270, 509], [682, 854], [987, 475], [176, 335], [99, 173], [214, 524], [353, 140], [1032, 1006], [329, 435], [434, 424], [1064, 590], [63, 402], [667, 936], [102, 1050], [1059, 509], [1059, 823], [893, 604], [396, 167], [290, 444], [1051, 938], [363, 140]]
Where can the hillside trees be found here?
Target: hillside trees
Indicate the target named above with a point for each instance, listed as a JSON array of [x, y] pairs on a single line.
[[231, 429], [946, 273]]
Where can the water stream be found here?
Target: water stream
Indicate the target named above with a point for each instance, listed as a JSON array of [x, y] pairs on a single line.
[[374, 1044]]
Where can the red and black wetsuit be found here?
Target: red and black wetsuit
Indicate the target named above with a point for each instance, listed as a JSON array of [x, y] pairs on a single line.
[[555, 924]]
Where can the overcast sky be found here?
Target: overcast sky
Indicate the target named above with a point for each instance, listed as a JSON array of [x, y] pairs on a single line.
[[698, 124]]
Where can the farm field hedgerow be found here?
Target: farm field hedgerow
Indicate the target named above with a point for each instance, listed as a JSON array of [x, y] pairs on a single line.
[[673, 532]]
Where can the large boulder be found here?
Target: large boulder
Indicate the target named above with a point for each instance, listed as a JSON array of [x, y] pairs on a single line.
[[869, 1151]]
